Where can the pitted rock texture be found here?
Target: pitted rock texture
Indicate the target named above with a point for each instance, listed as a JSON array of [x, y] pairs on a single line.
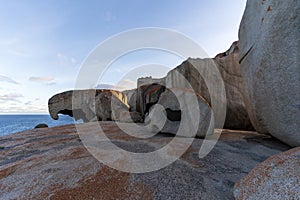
[[53, 164], [276, 178], [270, 65]]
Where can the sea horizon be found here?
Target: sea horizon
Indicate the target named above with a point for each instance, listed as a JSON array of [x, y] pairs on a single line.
[[13, 123]]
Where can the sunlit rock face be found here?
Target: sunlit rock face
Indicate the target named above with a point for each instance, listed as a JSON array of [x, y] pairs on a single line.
[[270, 65], [91, 105]]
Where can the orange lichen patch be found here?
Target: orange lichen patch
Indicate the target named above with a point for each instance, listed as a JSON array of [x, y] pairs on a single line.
[[8, 170], [106, 184], [263, 173], [77, 153], [123, 137], [153, 90], [269, 9], [232, 135], [187, 157]]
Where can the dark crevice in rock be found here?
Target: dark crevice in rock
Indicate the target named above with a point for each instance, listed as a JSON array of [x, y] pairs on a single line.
[[246, 54], [77, 114], [173, 115]]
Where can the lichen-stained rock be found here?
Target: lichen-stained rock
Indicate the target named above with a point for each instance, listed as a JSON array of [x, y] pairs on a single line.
[[53, 164], [181, 107], [276, 178], [270, 64], [89, 105]]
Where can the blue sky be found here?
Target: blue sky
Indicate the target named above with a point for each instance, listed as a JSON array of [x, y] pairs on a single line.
[[43, 43]]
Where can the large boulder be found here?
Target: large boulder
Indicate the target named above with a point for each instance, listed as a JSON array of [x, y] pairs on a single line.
[[91, 105], [269, 56], [177, 112], [276, 178], [187, 75]]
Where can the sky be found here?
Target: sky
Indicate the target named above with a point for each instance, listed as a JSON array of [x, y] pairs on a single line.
[[44, 43]]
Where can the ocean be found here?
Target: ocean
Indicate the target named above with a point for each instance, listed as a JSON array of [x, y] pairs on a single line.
[[16, 123]]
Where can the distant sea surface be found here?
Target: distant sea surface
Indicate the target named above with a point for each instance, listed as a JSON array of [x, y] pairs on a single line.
[[16, 123]]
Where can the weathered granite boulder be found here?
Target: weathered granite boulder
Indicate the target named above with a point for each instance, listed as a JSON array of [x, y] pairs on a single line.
[[91, 105], [42, 125], [276, 178], [228, 65], [181, 107], [54, 164], [270, 64], [82, 107]]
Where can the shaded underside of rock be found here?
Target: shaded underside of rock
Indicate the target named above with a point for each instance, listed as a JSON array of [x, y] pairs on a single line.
[[270, 65], [53, 164], [276, 178]]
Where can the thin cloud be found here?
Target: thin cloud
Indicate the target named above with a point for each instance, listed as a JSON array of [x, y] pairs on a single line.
[[7, 79], [10, 97], [48, 80], [64, 60], [122, 85]]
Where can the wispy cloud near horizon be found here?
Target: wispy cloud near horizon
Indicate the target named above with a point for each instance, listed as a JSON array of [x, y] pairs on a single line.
[[48, 80], [7, 79], [10, 97]]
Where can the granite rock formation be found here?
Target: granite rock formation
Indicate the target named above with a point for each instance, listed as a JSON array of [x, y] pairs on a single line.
[[276, 178], [269, 56], [41, 126], [139, 101], [53, 164], [178, 107], [187, 75], [91, 105]]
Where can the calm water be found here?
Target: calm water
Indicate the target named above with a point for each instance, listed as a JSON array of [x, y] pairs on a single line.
[[16, 123]]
